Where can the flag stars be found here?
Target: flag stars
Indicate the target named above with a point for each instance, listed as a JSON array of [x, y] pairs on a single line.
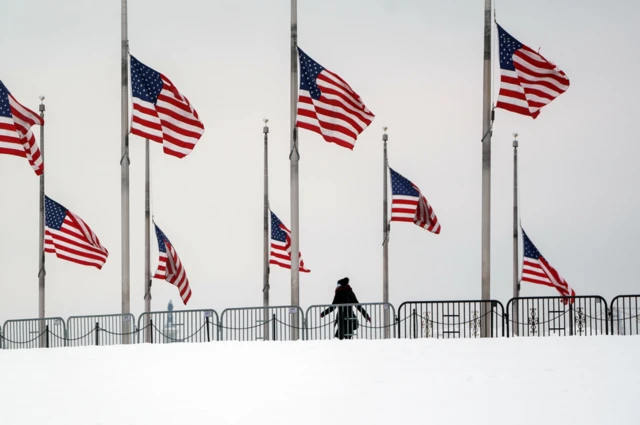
[[54, 213], [5, 108], [508, 46], [309, 71], [147, 83]]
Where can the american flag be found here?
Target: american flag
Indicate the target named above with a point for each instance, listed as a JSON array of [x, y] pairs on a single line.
[[528, 81], [281, 245], [537, 270], [16, 137], [170, 267], [161, 113], [408, 204], [328, 106], [70, 238]]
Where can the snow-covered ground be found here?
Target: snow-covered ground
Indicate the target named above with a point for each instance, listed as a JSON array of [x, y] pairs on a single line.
[[569, 380]]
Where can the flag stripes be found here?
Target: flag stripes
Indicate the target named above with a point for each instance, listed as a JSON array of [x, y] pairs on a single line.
[[327, 105], [528, 81], [280, 254], [170, 268], [536, 269], [70, 238], [16, 135], [161, 113], [409, 205]]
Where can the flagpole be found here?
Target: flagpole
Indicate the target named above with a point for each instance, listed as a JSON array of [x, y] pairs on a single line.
[[385, 237], [486, 170], [41, 270], [294, 157], [147, 240], [124, 170], [265, 258], [516, 284]]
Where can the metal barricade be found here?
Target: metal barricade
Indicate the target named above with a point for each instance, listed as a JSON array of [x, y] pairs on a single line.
[[106, 329], [163, 327], [563, 316], [625, 315], [451, 319], [34, 333], [278, 323], [349, 321]]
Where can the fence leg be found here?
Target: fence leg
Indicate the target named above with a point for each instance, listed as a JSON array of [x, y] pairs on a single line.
[[97, 333], [46, 336], [571, 319], [415, 324], [505, 323], [273, 326], [396, 324], [208, 330], [149, 330]]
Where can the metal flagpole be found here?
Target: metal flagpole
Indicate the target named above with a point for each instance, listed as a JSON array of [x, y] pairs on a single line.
[[385, 236], [41, 271], [265, 276], [516, 284], [294, 157], [486, 172], [147, 241], [124, 170]]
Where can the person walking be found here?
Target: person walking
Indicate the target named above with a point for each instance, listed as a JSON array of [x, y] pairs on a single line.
[[346, 321]]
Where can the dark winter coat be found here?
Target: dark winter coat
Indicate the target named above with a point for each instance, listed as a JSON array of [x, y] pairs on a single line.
[[346, 321]]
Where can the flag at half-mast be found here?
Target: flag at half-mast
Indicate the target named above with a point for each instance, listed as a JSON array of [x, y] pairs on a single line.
[[16, 137], [70, 238], [409, 204], [327, 105], [280, 254], [527, 80], [536, 269], [170, 267], [161, 113]]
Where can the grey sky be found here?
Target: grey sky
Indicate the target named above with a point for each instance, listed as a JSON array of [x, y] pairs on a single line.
[[418, 67]]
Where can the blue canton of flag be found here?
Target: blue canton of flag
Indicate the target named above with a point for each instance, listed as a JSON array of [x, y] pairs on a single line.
[[146, 83]]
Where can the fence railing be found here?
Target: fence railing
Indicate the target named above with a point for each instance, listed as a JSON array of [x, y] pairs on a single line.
[[451, 319], [163, 327], [278, 323], [34, 333], [625, 315], [350, 321], [563, 316], [525, 316], [106, 329]]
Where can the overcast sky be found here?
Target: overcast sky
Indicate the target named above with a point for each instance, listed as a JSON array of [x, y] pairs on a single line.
[[417, 66]]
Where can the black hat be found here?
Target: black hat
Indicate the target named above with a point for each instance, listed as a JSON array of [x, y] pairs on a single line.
[[343, 281]]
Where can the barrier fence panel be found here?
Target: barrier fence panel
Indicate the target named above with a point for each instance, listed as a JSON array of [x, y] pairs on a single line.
[[261, 323], [451, 319], [34, 333], [563, 316], [625, 315], [349, 321], [164, 327], [105, 329]]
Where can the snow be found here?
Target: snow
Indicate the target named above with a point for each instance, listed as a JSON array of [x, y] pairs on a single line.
[[570, 380]]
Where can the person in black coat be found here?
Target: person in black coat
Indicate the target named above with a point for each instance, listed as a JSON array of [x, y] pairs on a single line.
[[346, 321]]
